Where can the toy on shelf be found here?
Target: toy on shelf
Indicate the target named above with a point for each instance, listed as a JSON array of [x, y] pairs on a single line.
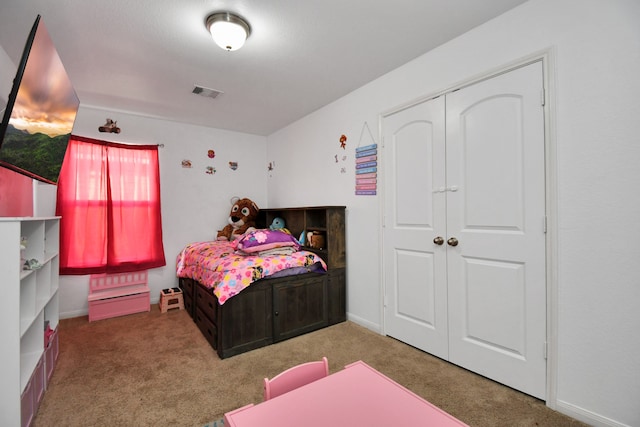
[[279, 224], [31, 264]]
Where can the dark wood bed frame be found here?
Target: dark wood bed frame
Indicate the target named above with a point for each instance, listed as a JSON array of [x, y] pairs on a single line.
[[276, 309]]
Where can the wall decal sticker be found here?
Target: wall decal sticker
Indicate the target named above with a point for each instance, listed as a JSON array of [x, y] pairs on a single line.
[[343, 142], [186, 164], [211, 154], [109, 126], [210, 170], [233, 165]]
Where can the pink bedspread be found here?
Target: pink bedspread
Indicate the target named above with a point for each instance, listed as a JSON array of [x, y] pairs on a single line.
[[217, 266]]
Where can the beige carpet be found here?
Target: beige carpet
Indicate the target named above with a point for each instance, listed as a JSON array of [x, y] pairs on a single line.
[[154, 369]]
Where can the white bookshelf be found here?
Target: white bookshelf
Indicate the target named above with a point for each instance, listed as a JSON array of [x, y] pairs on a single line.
[[31, 299]]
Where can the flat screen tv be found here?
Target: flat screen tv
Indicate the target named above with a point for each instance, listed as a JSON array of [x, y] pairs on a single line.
[[40, 113]]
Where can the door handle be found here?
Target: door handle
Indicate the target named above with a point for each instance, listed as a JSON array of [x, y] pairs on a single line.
[[452, 241], [438, 240]]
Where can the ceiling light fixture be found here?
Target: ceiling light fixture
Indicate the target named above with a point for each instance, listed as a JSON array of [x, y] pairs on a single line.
[[229, 31]]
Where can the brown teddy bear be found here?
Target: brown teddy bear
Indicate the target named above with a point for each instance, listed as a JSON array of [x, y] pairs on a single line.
[[242, 217]]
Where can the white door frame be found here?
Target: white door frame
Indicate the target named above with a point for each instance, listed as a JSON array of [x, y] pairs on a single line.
[[547, 57]]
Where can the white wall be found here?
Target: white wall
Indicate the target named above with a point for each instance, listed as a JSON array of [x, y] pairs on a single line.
[[595, 140], [194, 204], [596, 278]]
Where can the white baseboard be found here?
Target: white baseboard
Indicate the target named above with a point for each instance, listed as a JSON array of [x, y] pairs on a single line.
[[364, 323], [587, 416], [74, 313]]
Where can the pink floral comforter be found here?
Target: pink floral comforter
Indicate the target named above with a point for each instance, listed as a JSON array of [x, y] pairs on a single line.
[[216, 265]]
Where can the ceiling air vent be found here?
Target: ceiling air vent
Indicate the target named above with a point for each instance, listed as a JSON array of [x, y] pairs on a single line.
[[205, 91]]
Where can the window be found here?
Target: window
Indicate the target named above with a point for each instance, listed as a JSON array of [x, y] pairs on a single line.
[[109, 201]]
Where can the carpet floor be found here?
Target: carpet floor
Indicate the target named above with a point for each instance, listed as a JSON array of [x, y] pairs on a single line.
[[156, 369], [216, 423]]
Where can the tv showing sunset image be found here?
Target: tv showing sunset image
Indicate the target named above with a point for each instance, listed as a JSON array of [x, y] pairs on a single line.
[[42, 114]]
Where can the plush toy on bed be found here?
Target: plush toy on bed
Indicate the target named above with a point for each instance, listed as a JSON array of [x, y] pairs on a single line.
[[241, 218], [278, 224]]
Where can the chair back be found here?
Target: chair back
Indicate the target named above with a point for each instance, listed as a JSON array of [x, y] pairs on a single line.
[[295, 377]]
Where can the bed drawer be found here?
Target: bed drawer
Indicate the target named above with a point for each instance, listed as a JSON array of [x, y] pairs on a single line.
[[207, 328], [206, 302], [188, 286], [189, 305]]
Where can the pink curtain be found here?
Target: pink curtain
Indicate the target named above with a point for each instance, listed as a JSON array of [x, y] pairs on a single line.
[[109, 201]]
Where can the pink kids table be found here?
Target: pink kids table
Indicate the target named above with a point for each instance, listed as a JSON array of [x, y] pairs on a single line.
[[355, 396]]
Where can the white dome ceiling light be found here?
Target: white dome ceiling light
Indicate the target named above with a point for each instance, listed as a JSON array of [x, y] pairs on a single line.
[[229, 31]]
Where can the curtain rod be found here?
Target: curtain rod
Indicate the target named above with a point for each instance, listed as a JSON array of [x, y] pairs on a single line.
[[101, 142]]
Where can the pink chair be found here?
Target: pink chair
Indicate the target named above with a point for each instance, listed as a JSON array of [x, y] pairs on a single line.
[[295, 377]]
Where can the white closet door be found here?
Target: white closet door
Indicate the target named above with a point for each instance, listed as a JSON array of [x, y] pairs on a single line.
[[415, 271], [479, 298], [496, 273]]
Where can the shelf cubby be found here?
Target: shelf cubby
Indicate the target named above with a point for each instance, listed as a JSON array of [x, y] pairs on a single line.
[[27, 302], [32, 300], [330, 222]]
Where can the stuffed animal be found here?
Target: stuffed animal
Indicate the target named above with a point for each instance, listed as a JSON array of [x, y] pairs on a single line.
[[241, 218], [278, 224]]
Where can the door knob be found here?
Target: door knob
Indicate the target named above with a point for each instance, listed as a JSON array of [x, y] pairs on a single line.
[[452, 241], [438, 240]]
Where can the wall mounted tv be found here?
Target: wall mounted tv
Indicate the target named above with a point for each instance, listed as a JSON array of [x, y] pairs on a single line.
[[40, 113]]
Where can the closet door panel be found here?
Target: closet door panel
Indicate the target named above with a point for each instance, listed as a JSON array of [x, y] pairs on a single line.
[[491, 174], [414, 270], [496, 272]]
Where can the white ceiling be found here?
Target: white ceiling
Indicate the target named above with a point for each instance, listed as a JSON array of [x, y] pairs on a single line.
[[145, 56]]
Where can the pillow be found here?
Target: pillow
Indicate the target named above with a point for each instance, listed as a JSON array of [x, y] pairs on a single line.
[[264, 239]]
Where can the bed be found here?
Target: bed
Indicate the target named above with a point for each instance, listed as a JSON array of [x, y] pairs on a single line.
[[244, 296]]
